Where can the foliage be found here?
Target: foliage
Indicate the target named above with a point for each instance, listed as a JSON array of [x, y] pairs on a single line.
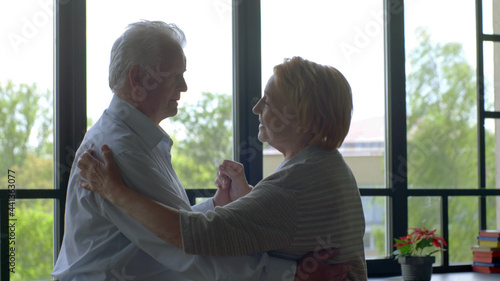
[[442, 139], [20, 109], [204, 141], [416, 243], [34, 173], [441, 122], [26, 134], [26, 148], [193, 174], [379, 233], [34, 247]]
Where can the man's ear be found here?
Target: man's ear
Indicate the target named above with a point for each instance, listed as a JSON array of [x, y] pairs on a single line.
[[136, 78]]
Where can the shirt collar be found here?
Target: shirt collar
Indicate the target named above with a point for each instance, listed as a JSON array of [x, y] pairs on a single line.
[[150, 132]]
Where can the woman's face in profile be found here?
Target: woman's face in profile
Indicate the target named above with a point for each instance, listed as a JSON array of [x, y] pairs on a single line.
[[277, 121]]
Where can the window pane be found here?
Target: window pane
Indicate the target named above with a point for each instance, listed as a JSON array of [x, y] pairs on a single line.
[[375, 238], [463, 222], [493, 212], [26, 84], [347, 35], [491, 152], [491, 62], [463, 228], [202, 130], [491, 12], [492, 96], [32, 239], [441, 94], [424, 212]]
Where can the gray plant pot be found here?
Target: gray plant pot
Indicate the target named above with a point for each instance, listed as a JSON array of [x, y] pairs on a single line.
[[416, 268]]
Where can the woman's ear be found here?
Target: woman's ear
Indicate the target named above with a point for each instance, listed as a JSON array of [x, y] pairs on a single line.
[[136, 77]]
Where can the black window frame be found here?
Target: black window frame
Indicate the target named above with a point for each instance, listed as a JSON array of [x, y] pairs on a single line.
[[70, 121]]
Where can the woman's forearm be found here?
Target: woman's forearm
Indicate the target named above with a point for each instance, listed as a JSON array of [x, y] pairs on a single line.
[[161, 220]]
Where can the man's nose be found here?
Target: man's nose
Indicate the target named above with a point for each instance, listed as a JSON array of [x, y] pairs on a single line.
[[183, 86]]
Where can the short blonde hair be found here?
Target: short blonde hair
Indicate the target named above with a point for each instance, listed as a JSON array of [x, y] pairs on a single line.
[[321, 98]]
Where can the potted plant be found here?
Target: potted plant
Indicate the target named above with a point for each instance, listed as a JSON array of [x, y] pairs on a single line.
[[414, 253]]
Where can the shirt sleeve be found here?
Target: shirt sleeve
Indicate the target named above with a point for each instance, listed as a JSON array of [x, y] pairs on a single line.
[[138, 174], [205, 206], [263, 220]]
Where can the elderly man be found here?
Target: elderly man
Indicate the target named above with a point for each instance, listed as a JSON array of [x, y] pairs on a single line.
[[101, 242]]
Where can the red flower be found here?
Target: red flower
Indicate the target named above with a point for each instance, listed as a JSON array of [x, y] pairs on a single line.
[[424, 232], [418, 243], [438, 242], [405, 240]]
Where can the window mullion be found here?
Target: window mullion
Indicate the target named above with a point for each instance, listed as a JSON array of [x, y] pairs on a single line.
[[480, 112], [396, 166], [70, 98], [247, 86]]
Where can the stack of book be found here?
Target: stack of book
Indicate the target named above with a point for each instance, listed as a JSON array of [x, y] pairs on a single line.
[[486, 255]]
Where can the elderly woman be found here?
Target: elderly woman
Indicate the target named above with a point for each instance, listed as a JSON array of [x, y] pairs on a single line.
[[311, 202]]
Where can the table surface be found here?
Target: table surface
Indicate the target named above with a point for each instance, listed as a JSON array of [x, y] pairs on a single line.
[[461, 276]]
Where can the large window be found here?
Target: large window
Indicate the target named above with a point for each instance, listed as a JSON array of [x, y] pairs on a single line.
[[26, 139], [423, 144]]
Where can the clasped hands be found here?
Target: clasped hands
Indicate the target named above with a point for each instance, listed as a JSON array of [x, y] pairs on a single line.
[[231, 183]]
